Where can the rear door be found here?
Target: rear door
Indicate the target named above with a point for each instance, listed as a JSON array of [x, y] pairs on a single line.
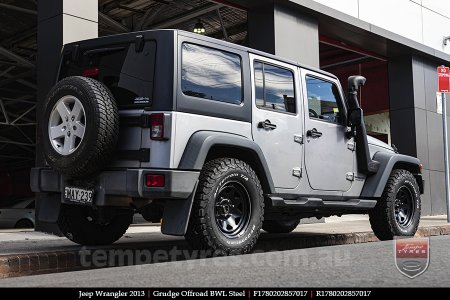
[[329, 153], [276, 119]]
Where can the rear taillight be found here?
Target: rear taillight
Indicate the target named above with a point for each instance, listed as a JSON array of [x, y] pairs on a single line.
[[154, 180], [157, 126], [91, 72]]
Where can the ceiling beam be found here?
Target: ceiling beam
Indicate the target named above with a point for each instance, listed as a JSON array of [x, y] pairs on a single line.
[[5, 72], [3, 140], [148, 17], [28, 121], [15, 157], [5, 114], [19, 9], [11, 55], [110, 22], [232, 30], [222, 24], [20, 36], [23, 82], [23, 114], [228, 4], [186, 16], [14, 78]]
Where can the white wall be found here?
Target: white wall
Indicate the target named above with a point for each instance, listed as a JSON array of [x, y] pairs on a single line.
[[379, 123], [424, 21]]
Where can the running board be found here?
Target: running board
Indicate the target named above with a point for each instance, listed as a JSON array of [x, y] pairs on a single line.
[[308, 204]]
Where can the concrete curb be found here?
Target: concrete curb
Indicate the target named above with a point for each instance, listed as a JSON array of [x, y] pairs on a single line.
[[55, 262]]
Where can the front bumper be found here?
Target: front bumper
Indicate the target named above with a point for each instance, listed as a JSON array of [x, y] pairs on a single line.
[[120, 183]]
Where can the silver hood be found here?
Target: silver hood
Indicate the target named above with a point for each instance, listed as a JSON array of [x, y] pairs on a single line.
[[376, 144]]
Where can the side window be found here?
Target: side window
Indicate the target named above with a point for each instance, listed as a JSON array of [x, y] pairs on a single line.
[[324, 100], [274, 88], [211, 74]]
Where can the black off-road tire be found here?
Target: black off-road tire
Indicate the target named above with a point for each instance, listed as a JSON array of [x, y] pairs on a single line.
[[80, 224], [102, 127], [203, 229], [280, 226], [382, 217]]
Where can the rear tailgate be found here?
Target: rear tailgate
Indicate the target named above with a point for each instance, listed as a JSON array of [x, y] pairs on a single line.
[[127, 65]]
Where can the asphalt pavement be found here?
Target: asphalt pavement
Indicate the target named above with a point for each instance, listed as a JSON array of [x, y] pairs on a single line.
[[355, 265]]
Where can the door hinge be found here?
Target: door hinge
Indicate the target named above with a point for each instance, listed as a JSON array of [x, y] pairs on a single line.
[[350, 176], [297, 172], [298, 139], [351, 146]]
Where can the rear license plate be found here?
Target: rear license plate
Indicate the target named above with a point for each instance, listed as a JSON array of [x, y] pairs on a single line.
[[78, 195]]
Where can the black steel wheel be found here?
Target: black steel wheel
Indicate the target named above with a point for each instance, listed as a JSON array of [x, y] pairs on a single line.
[[397, 212], [404, 206], [232, 209], [228, 208]]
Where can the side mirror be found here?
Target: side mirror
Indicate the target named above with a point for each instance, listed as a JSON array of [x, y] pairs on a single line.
[[355, 117]]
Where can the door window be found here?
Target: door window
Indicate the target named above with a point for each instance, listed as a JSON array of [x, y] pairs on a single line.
[[324, 100], [211, 74], [274, 88]]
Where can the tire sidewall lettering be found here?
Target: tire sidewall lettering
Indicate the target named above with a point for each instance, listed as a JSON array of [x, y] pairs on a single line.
[[250, 186]]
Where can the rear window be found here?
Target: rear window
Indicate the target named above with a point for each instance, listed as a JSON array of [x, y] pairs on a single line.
[[211, 74], [127, 73]]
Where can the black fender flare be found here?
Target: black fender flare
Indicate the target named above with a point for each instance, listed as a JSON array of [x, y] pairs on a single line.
[[201, 142], [375, 184]]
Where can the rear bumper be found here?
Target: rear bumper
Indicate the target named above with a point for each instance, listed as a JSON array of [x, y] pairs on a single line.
[[121, 183]]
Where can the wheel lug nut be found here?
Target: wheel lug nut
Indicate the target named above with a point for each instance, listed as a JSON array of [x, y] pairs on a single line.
[[67, 118], [74, 127], [68, 133], [73, 118]]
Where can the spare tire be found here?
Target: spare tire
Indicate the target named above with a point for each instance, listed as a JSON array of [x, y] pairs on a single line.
[[80, 126]]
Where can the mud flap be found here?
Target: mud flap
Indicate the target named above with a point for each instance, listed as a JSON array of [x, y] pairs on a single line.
[[48, 208], [176, 215]]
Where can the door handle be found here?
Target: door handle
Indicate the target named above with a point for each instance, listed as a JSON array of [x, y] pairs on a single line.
[[314, 133], [267, 125]]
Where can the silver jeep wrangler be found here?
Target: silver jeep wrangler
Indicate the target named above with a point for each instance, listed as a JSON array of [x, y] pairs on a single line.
[[217, 140]]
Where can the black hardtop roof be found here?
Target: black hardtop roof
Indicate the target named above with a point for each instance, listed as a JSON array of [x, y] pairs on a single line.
[[131, 36]]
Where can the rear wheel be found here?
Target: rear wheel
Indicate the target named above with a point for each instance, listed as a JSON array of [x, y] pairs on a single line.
[[397, 213], [25, 223], [228, 209], [280, 226], [90, 226]]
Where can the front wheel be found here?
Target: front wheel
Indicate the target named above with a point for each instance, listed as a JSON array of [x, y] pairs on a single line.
[[228, 209], [397, 213]]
